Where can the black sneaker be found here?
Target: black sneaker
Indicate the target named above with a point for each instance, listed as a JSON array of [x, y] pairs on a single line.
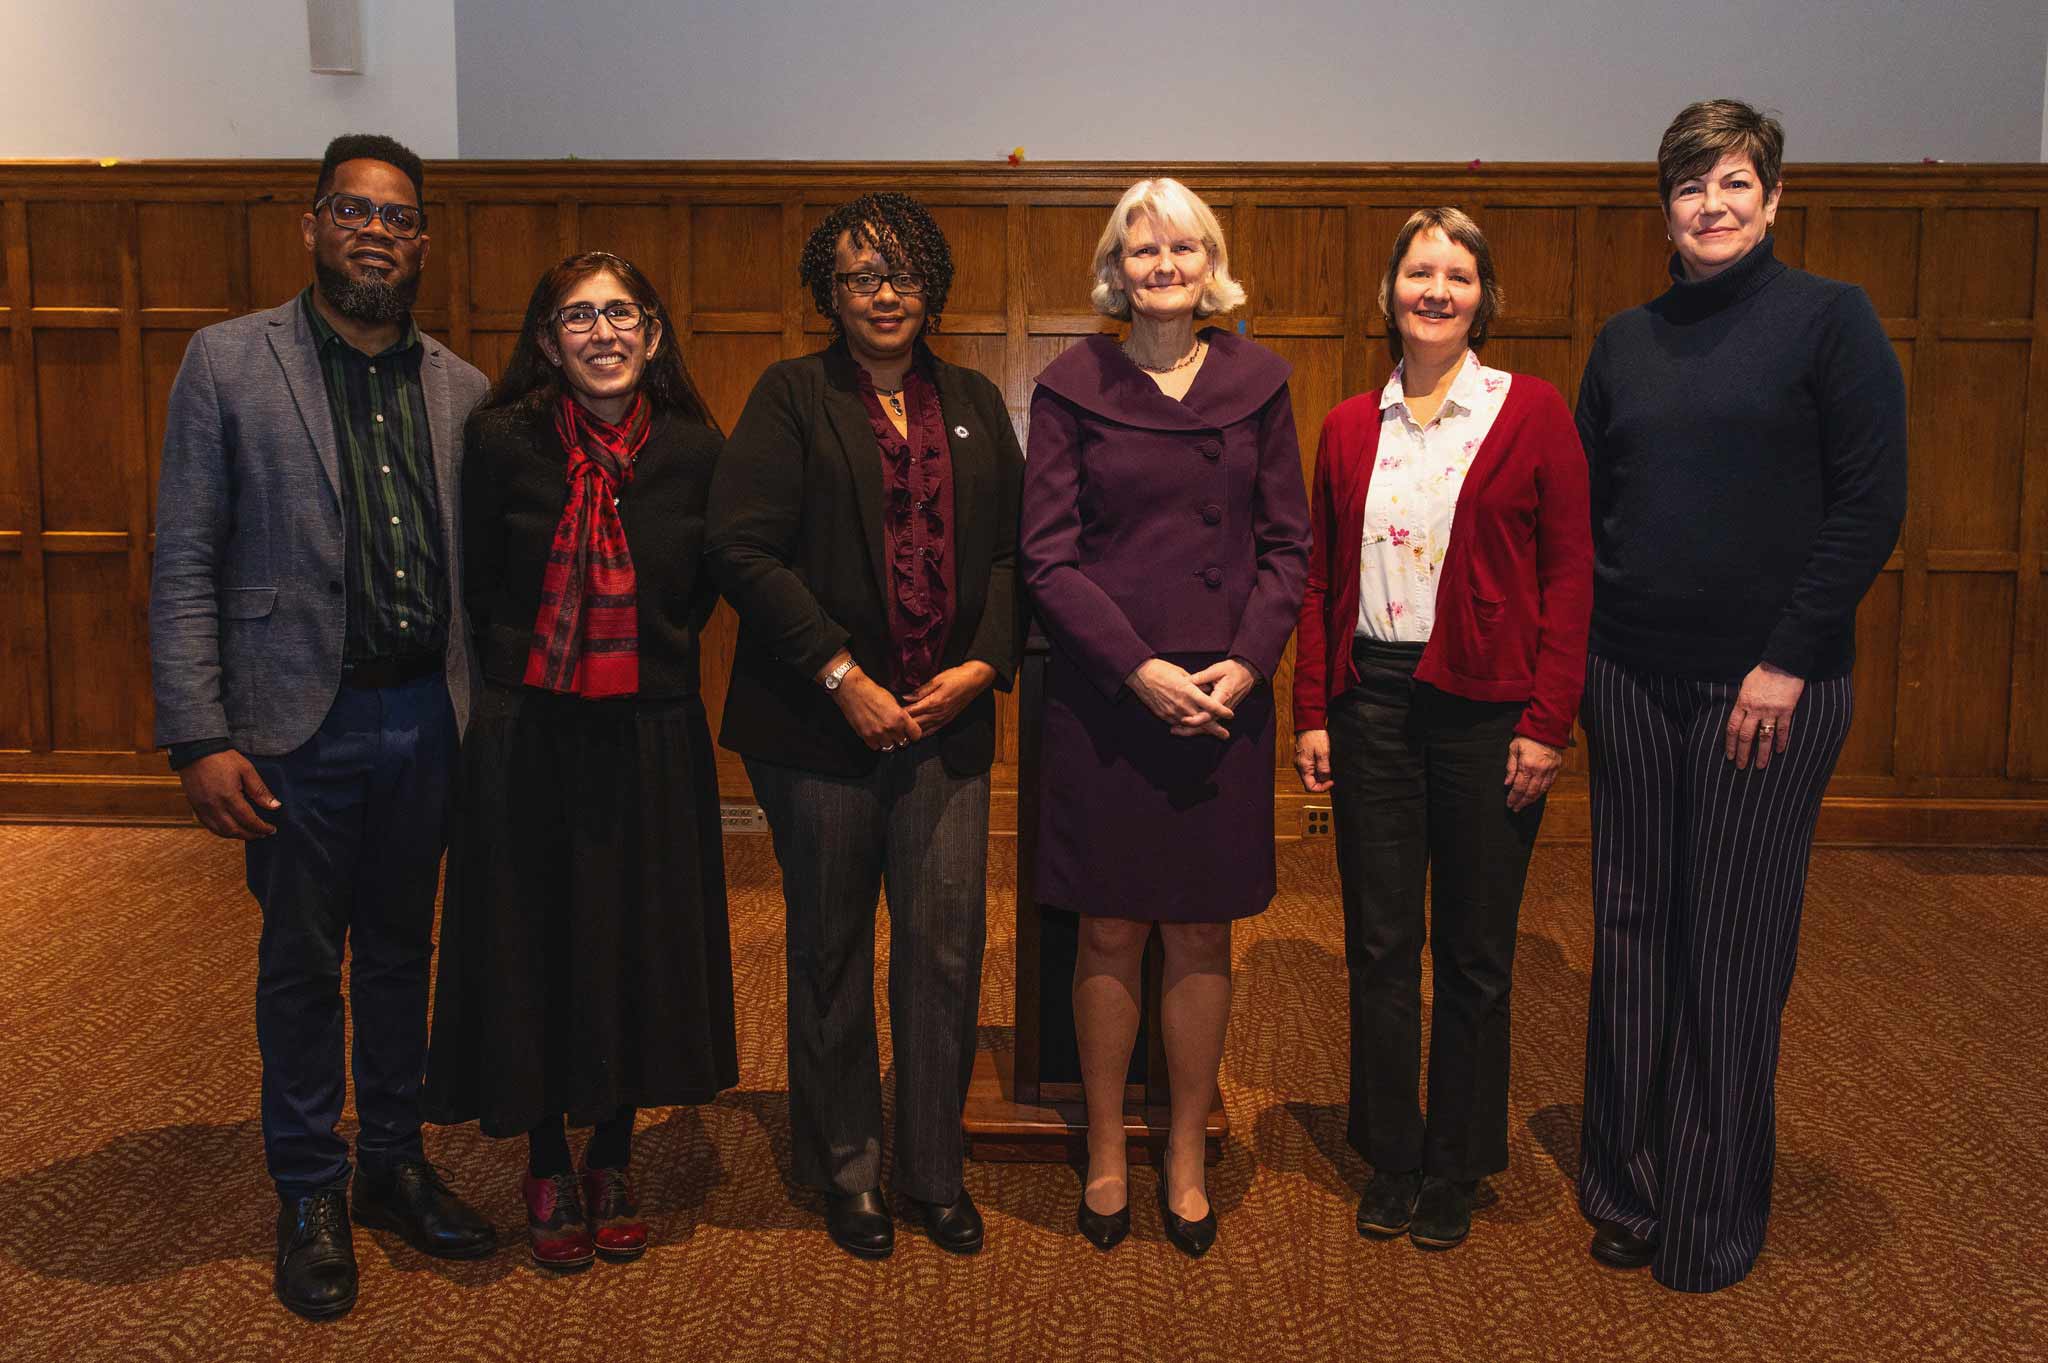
[[1388, 1203]]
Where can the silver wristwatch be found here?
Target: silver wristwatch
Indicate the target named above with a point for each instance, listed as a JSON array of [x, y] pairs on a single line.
[[838, 675]]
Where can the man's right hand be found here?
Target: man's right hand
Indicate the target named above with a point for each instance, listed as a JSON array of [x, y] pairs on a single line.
[[225, 793]]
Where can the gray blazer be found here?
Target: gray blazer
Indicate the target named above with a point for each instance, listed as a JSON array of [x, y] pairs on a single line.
[[246, 604]]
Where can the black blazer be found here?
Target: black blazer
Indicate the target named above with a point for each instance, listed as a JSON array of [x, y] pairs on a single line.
[[513, 491], [795, 540]]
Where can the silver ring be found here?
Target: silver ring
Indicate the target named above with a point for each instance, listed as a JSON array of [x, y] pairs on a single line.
[[888, 747]]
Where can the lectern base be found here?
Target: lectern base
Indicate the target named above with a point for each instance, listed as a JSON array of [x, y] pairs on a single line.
[[1055, 1130]]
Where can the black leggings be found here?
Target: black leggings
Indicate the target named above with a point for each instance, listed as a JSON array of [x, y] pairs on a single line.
[[611, 1144]]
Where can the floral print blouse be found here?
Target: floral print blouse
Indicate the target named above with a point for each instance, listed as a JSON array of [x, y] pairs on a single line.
[[1413, 495]]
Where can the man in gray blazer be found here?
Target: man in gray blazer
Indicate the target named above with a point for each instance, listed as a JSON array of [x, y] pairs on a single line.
[[312, 679]]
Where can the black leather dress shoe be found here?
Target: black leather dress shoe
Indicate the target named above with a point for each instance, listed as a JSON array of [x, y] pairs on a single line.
[[954, 1227], [1104, 1230], [1443, 1213], [1192, 1238], [411, 1199], [316, 1255], [859, 1224], [1616, 1246], [1389, 1203]]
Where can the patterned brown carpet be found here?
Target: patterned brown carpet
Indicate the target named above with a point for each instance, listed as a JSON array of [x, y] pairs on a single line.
[[135, 1217]]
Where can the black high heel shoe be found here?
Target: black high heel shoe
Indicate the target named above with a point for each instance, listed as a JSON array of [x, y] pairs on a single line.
[[1191, 1238], [1104, 1230]]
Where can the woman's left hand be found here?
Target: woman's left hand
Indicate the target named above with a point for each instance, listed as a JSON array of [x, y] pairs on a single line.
[[1227, 681], [1532, 768], [939, 701], [1761, 722]]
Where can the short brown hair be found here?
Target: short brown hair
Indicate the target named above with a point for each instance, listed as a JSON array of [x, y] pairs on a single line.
[[1459, 228], [1705, 132]]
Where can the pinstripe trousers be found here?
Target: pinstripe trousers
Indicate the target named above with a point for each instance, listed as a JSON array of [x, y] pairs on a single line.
[[1699, 874], [921, 832]]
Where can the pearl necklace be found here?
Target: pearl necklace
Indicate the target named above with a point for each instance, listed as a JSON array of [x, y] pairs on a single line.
[[1182, 363]]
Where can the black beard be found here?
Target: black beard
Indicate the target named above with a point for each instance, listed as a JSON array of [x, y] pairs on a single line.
[[372, 301]]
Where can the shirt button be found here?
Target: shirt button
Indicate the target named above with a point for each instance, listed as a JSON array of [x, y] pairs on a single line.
[[1212, 514], [1212, 576], [405, 624], [376, 416], [394, 520], [386, 468], [401, 572]]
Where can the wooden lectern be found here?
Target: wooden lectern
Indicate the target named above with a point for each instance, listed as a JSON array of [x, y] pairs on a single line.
[[1025, 1103]]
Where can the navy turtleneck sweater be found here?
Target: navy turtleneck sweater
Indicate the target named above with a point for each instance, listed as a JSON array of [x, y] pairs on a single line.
[[1747, 442]]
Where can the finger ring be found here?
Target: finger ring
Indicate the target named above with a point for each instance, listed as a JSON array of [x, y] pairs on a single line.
[[1767, 728]]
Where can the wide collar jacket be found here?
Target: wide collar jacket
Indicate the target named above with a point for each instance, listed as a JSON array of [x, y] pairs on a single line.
[[1515, 593], [796, 539]]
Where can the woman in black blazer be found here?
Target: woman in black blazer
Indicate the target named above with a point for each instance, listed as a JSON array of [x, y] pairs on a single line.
[[586, 969], [863, 523]]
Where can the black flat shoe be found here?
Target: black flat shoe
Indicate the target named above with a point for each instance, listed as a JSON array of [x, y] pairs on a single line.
[[316, 1256], [859, 1224], [1389, 1203], [954, 1227], [411, 1199], [1104, 1230], [1443, 1213], [1191, 1238], [1616, 1246]]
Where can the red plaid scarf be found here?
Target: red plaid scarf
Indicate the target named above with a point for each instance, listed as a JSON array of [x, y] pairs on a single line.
[[586, 638]]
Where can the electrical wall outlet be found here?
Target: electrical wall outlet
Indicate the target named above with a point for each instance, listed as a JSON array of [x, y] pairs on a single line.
[[1315, 821], [742, 819]]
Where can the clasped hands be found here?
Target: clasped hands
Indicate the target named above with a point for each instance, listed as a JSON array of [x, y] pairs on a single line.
[[1192, 703], [886, 722]]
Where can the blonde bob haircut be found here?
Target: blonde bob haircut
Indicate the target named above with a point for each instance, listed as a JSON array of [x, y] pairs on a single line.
[[1183, 214]]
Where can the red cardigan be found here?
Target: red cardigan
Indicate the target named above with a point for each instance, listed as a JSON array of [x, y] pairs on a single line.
[[1516, 591]]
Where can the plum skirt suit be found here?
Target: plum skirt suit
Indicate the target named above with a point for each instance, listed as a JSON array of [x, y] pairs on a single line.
[[1178, 529], [1420, 725]]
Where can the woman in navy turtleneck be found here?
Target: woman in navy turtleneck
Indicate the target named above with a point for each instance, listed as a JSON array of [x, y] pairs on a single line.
[[1746, 433]]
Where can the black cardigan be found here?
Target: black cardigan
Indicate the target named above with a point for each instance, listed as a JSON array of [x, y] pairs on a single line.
[[513, 491], [795, 540], [1747, 442]]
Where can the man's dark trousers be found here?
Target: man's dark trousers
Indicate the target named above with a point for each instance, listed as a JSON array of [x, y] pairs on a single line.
[[355, 862]]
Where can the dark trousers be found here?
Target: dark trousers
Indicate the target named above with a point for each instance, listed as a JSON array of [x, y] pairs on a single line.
[[923, 834], [1699, 873], [353, 865], [1419, 799]]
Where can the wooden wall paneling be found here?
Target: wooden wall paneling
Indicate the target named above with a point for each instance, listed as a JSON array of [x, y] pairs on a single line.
[[18, 690], [1964, 243], [1966, 690], [92, 705], [279, 265], [1876, 683], [129, 466], [1877, 248], [1911, 739], [1298, 255], [1535, 255], [736, 262], [32, 600], [74, 250], [78, 377], [638, 232], [448, 225], [510, 244], [1789, 232], [2029, 729], [1972, 477], [1060, 244], [163, 351], [1627, 259], [182, 265], [11, 447]]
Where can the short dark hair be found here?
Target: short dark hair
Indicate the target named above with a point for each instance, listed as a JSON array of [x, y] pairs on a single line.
[[372, 147], [1705, 132], [532, 384], [901, 229], [1457, 226]]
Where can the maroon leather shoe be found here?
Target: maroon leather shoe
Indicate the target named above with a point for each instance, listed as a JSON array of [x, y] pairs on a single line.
[[612, 1215], [554, 1222]]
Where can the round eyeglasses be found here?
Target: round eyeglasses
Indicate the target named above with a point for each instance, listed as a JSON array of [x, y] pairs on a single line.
[[866, 282], [581, 317], [352, 212]]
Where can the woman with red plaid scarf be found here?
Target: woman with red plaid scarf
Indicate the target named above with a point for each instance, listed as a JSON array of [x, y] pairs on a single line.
[[586, 968]]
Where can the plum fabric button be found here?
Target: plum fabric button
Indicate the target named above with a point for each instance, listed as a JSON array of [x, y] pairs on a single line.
[[1212, 514], [1213, 576]]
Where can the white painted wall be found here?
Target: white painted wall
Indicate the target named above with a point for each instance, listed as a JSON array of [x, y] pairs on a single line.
[[1353, 80], [140, 79]]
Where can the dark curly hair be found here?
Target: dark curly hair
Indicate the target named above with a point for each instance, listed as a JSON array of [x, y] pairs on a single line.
[[372, 147], [531, 383], [894, 224]]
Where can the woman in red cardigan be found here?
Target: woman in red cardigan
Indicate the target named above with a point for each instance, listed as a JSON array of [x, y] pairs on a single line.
[[1441, 650]]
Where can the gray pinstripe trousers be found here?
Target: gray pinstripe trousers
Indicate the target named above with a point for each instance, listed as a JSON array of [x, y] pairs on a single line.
[[1699, 874], [922, 833]]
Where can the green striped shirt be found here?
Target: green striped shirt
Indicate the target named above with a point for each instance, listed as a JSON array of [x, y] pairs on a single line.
[[396, 583]]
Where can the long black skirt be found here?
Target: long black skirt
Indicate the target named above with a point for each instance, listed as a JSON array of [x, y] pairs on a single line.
[[586, 961]]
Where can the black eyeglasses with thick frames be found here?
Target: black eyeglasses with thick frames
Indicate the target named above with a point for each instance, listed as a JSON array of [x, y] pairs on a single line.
[[864, 283], [581, 317], [352, 212]]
